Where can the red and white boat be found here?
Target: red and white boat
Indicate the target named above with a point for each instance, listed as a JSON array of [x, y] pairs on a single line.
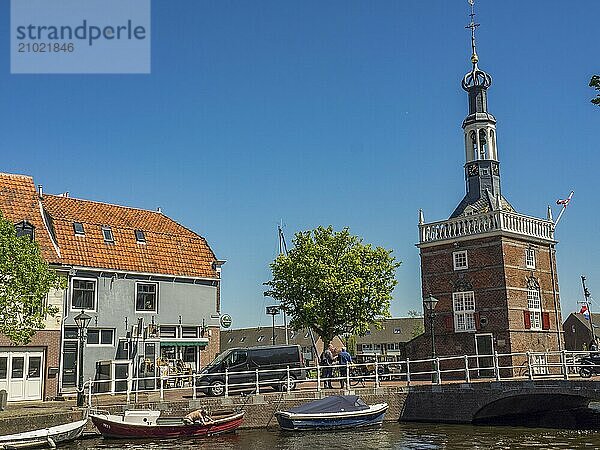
[[146, 424]]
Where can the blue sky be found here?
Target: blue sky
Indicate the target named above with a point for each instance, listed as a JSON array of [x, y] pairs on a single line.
[[342, 112]]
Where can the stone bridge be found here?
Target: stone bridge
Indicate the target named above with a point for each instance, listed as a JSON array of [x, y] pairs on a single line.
[[482, 401]]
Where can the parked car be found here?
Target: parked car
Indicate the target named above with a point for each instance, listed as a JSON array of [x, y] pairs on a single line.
[[241, 364]]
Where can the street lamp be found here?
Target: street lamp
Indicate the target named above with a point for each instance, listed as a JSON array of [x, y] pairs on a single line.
[[430, 303], [82, 320], [273, 311]]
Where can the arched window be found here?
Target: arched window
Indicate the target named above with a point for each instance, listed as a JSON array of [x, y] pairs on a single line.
[[473, 138], [493, 145], [483, 144]]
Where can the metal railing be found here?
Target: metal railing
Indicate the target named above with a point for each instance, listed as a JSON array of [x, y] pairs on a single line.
[[449, 369]]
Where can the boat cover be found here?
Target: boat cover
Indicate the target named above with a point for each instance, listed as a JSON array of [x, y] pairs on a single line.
[[333, 404]]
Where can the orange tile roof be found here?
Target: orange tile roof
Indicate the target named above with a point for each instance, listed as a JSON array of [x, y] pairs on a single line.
[[170, 248], [19, 201]]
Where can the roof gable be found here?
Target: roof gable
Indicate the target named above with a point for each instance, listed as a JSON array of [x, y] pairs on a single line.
[[19, 201]]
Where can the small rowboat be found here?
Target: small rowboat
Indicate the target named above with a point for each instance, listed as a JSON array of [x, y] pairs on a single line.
[[335, 412], [45, 438], [135, 424]]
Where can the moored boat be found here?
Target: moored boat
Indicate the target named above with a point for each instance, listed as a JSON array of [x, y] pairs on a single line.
[[44, 438], [335, 412], [135, 424]]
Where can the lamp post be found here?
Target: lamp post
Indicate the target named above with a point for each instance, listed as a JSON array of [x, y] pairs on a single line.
[[273, 311], [430, 303], [82, 320]]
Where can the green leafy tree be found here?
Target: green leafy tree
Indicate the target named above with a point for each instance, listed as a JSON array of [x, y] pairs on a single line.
[[333, 283], [25, 280], [595, 83]]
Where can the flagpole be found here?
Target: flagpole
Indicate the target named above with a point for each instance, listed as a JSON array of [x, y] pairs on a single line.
[[565, 203]]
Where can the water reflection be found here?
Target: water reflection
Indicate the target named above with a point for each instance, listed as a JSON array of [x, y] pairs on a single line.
[[392, 436]]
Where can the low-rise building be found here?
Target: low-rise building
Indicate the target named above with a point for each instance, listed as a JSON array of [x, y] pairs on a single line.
[[150, 285], [30, 372], [389, 341], [577, 331]]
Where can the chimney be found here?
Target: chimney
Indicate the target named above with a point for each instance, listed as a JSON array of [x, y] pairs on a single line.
[[40, 191], [159, 210]]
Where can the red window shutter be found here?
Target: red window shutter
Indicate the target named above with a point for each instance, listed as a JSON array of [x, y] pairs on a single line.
[[527, 319], [545, 321], [477, 321], [449, 322]]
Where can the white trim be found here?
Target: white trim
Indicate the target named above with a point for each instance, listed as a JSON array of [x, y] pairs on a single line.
[[95, 280], [144, 311], [149, 274], [456, 255], [47, 227]]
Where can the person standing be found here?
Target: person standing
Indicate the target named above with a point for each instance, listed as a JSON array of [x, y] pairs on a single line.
[[327, 363], [344, 359]]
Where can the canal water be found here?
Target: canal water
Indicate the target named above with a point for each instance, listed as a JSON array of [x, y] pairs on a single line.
[[394, 436]]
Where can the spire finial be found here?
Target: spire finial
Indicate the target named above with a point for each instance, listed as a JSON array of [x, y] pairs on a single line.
[[473, 26], [476, 77]]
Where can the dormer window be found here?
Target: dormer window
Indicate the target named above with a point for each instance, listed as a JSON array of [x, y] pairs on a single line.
[[24, 228], [140, 237], [78, 229], [108, 235]]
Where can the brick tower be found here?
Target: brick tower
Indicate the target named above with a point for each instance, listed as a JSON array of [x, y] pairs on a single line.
[[492, 269]]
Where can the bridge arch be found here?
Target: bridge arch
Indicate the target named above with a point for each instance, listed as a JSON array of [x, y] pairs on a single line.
[[529, 404]]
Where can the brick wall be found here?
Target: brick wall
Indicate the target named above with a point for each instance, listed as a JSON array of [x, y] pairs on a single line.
[[498, 276], [212, 349], [49, 342]]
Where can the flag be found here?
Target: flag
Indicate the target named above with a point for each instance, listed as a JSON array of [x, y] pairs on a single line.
[[585, 311], [566, 201]]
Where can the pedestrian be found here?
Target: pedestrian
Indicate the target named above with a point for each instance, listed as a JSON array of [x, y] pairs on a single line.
[[344, 359], [327, 363]]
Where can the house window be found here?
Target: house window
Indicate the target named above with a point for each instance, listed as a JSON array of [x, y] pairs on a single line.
[[145, 297], [101, 336], [534, 304], [230, 340], [243, 338], [24, 228], [83, 295], [460, 260], [78, 229], [108, 235], [464, 311], [140, 237], [530, 258], [260, 339], [397, 330]]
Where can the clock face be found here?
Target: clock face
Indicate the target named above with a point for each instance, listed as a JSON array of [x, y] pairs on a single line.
[[473, 170]]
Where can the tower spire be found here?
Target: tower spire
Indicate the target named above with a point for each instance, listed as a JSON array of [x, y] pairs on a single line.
[[473, 26], [482, 166]]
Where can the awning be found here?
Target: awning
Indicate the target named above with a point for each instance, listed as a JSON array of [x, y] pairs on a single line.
[[184, 343]]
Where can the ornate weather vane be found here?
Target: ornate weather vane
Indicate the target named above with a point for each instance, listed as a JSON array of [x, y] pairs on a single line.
[[473, 26]]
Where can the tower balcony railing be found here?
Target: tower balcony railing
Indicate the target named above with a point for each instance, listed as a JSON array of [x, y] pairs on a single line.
[[481, 224]]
